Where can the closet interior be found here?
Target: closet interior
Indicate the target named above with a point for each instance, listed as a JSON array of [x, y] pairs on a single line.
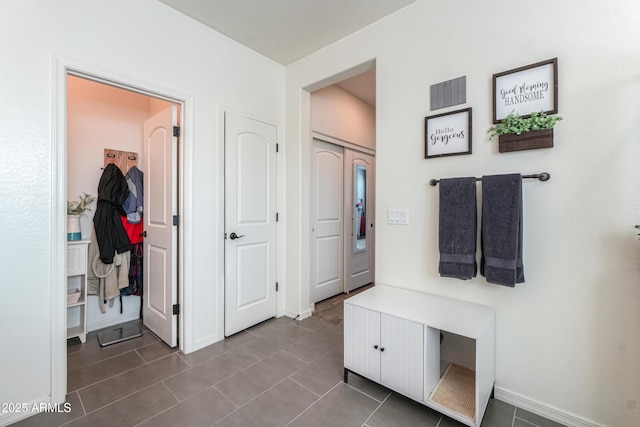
[[104, 149]]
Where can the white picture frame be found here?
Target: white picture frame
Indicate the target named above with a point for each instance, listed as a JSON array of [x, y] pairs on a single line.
[[448, 134], [532, 88]]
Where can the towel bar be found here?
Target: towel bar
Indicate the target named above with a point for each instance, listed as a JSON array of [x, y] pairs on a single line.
[[542, 176]]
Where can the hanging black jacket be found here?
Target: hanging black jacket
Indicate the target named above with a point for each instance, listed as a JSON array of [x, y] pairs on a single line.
[[110, 233]]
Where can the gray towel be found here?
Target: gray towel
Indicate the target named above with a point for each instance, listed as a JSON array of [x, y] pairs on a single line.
[[501, 260], [458, 228]]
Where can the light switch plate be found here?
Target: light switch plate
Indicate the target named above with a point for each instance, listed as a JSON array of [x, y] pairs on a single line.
[[398, 216]]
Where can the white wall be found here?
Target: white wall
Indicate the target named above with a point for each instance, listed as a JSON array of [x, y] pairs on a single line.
[[567, 340], [337, 113], [151, 43]]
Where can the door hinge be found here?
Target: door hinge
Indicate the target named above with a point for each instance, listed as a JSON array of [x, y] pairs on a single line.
[[176, 131], [277, 147], [276, 286], [176, 220], [176, 308]]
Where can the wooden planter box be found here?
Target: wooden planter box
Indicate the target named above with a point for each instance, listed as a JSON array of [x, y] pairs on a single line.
[[526, 141]]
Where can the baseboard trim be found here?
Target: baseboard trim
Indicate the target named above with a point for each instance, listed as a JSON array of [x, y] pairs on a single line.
[[544, 410], [112, 321], [306, 313], [298, 316], [205, 342]]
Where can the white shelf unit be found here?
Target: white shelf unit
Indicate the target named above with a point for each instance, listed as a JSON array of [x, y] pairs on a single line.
[[393, 337], [77, 281]]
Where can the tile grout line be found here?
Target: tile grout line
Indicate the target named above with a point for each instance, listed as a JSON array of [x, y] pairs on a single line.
[[513, 417], [287, 377], [269, 332], [124, 397], [524, 421], [298, 357], [161, 412], [140, 356], [303, 386], [371, 397], [180, 354], [237, 372], [112, 357], [120, 373], [225, 397], [312, 405], [235, 347], [193, 364], [106, 359], [329, 348], [84, 412], [254, 398], [171, 391], [375, 410], [222, 379], [215, 386]]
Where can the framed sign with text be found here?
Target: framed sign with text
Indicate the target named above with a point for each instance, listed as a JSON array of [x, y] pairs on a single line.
[[448, 134], [526, 89]]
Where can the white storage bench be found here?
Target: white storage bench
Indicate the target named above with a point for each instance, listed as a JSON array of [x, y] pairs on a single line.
[[432, 349]]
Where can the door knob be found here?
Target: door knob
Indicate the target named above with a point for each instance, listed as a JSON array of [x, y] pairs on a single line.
[[234, 236]]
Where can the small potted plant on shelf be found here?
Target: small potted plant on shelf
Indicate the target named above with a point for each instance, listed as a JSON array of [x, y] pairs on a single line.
[[75, 209], [524, 133]]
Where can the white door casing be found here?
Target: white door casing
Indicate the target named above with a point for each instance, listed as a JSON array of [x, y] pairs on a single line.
[[160, 205], [327, 221], [359, 260], [250, 221]]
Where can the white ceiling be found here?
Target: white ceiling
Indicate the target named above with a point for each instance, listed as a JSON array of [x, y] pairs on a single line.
[[362, 86], [288, 30]]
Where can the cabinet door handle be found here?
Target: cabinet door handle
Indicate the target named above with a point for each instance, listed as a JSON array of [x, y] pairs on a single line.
[[381, 348], [375, 346]]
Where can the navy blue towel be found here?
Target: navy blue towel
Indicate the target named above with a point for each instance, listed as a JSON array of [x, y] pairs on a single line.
[[458, 228], [501, 238]]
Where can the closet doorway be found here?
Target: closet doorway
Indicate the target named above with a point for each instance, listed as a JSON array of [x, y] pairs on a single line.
[[103, 116], [342, 219], [341, 183]]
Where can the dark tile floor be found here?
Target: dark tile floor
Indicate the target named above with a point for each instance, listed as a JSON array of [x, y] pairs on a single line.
[[278, 373]]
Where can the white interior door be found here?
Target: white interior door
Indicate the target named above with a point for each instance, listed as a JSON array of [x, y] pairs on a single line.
[[359, 171], [250, 222], [327, 221], [160, 204]]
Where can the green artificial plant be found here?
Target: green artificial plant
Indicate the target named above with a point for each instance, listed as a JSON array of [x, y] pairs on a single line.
[[80, 206], [516, 124]]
